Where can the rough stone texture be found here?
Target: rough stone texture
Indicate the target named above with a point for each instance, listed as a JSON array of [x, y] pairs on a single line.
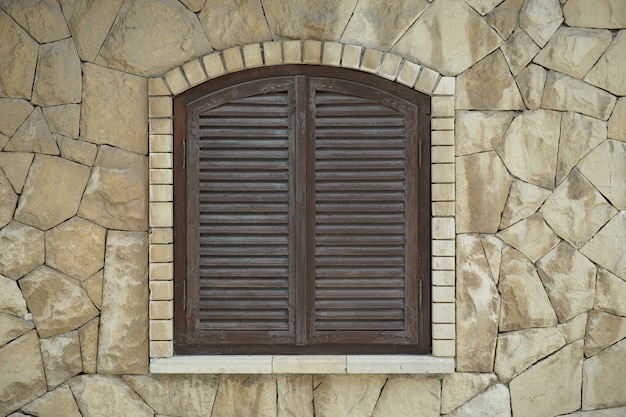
[[482, 185], [610, 293], [563, 92], [13, 112], [42, 19], [529, 147], [518, 350], [347, 395], [610, 14], [93, 287], [33, 135], [603, 378], [603, 330], [8, 198], [524, 200], [560, 388], [458, 388], [531, 81], [52, 192], [105, 396], [245, 397], [117, 194], [59, 76], [540, 19], [576, 210], [234, 23], [573, 51], [525, 303], [608, 412], [61, 358], [64, 119], [493, 251], [531, 236], [88, 336], [15, 166], [11, 299], [488, 85], [574, 329], [518, 51], [617, 122], [115, 109], [504, 17], [56, 403], [176, 395], [58, 302], [77, 150], [483, 6], [21, 249], [401, 396], [579, 135], [295, 396], [194, 5], [493, 402], [604, 167], [479, 131], [449, 37], [22, 376], [12, 327], [569, 279], [16, 74], [123, 341], [606, 247], [151, 36], [608, 72]]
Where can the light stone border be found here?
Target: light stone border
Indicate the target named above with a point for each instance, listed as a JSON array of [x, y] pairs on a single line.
[[442, 91]]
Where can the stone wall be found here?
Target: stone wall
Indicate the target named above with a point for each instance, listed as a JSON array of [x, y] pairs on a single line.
[[540, 166]]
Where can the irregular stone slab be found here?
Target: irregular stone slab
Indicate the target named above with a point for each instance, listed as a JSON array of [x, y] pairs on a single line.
[[608, 72], [610, 293], [64, 119], [529, 148], [59, 76], [42, 19], [245, 397], [58, 302], [488, 85], [123, 343], [563, 92], [188, 395], [605, 168], [15, 166], [295, 396], [479, 131], [603, 380], [607, 412], [115, 109], [21, 249], [524, 200], [574, 329], [33, 135], [606, 247], [52, 192], [3, 140], [16, 74], [483, 6], [12, 327], [150, 37], [230, 24], [194, 5], [77, 150], [494, 402], [603, 330], [116, 196], [518, 350], [531, 81], [401, 396], [13, 112], [93, 287], [617, 122], [379, 25], [347, 395], [12, 301], [610, 14], [89, 22], [458, 388], [531, 236], [573, 51], [61, 358], [576, 210], [478, 304], [525, 303], [493, 252], [540, 19], [8, 198], [504, 17], [94, 394], [579, 135], [560, 388], [449, 37], [88, 336], [519, 50], [57, 403], [482, 187], [22, 376]]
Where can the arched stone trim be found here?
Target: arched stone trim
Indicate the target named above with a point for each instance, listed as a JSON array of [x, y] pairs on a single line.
[[441, 89]]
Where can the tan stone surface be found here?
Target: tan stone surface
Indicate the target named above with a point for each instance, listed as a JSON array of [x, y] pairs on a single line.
[[610, 14], [401, 396], [617, 122], [12, 327], [347, 395], [610, 293], [488, 85], [93, 287], [33, 135], [531, 236], [603, 330], [525, 303], [529, 148], [607, 246], [56, 403], [13, 112], [61, 358], [605, 168], [21, 249], [64, 119], [493, 402], [483, 6], [579, 135], [575, 328], [504, 17], [3, 140], [482, 185], [11, 301], [59, 76], [563, 92], [603, 378], [123, 340], [234, 23], [295, 396], [176, 395], [88, 336], [42, 19], [22, 376], [560, 389], [607, 412], [540, 19], [493, 252], [573, 51], [523, 201], [8, 198], [58, 302], [608, 73], [519, 50], [459, 387], [115, 109], [245, 397], [449, 37], [77, 150], [194, 5], [116, 196], [16, 74], [479, 131], [94, 394], [531, 81], [15, 166]]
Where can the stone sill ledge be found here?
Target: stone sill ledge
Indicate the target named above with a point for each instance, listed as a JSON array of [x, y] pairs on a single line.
[[302, 364]]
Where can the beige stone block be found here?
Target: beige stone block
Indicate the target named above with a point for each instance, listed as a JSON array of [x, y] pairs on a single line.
[[22, 249], [494, 401], [401, 396], [606, 247], [459, 387], [442, 192], [610, 14], [56, 403], [442, 137], [617, 122], [160, 106], [292, 52], [443, 247], [540, 19], [246, 396], [426, 80], [161, 253], [443, 228], [442, 263], [531, 81], [444, 348], [93, 393], [33, 135], [408, 73], [161, 176], [309, 364], [342, 395], [252, 55], [351, 57], [59, 76], [607, 72], [442, 106], [9, 200], [446, 87], [77, 150], [443, 331], [161, 143], [518, 51], [602, 379], [610, 293], [332, 53], [442, 294], [604, 167], [161, 349], [532, 236], [312, 52], [12, 327], [161, 329], [194, 72], [13, 112], [227, 23], [214, 65], [43, 20], [371, 60], [443, 208], [443, 313], [161, 160], [16, 75], [161, 126], [61, 358], [161, 271], [294, 396], [63, 119], [161, 310], [479, 131], [574, 329], [442, 123], [161, 192], [493, 251], [273, 53], [442, 173], [442, 154], [390, 66], [16, 166], [161, 290], [93, 288], [603, 330], [524, 200], [12, 302], [176, 81], [161, 235], [157, 87], [443, 277]]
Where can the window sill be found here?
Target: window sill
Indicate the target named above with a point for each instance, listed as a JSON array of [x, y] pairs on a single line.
[[303, 364]]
